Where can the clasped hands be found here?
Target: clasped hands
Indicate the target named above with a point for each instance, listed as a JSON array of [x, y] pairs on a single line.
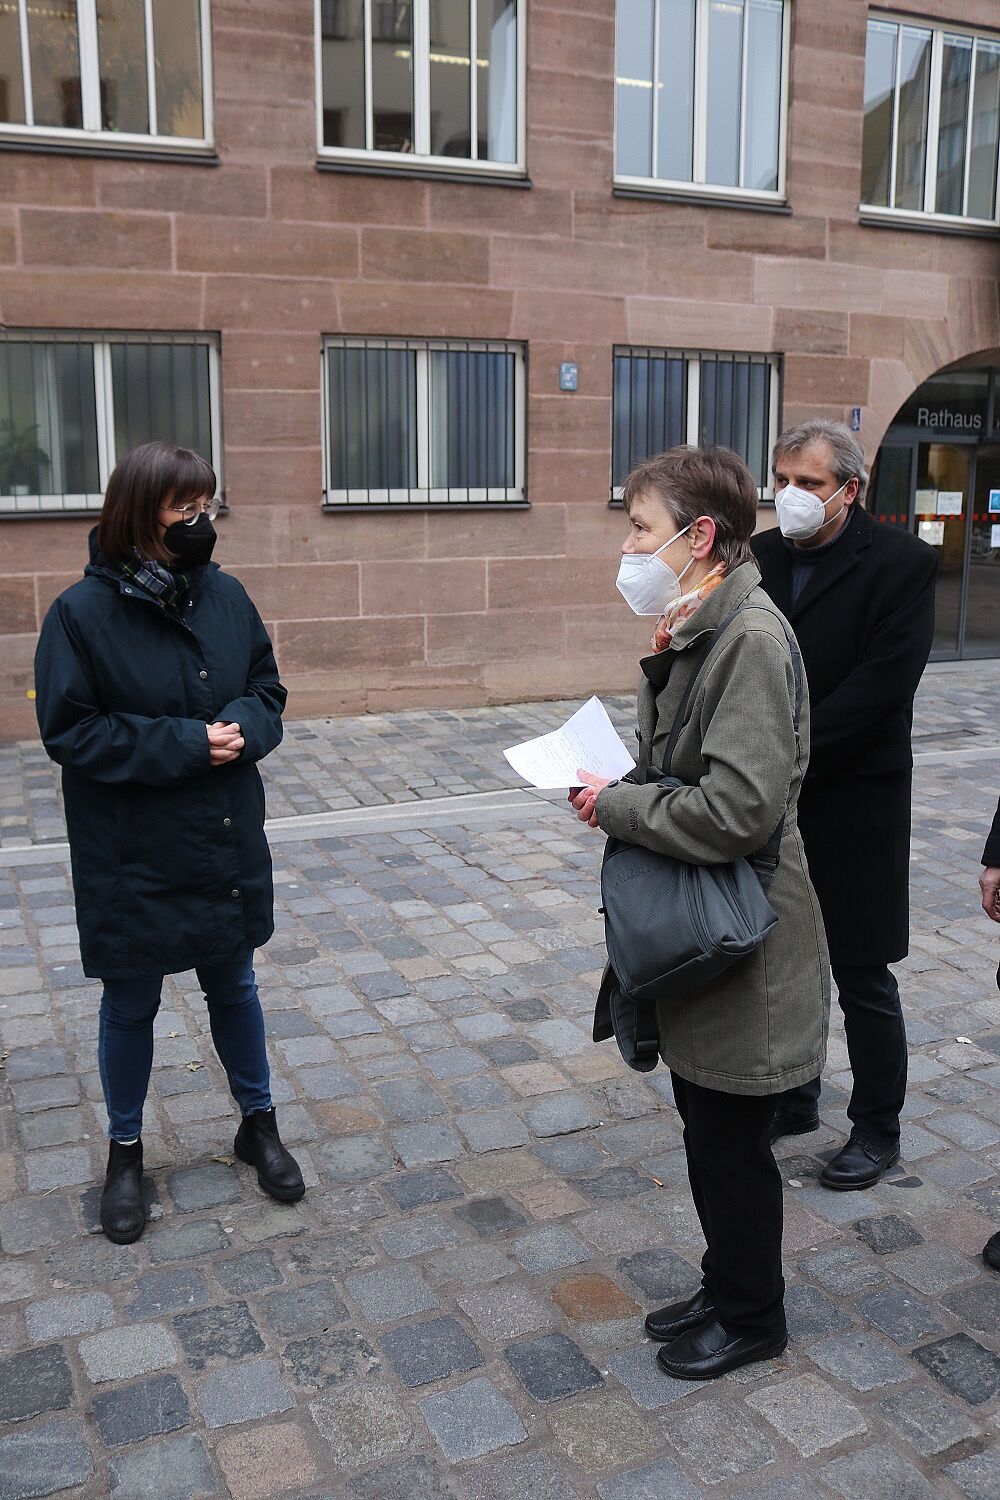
[[225, 742], [584, 797]]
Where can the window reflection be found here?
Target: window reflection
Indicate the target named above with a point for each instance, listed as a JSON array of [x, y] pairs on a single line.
[[11, 88], [55, 64], [121, 43], [177, 51]]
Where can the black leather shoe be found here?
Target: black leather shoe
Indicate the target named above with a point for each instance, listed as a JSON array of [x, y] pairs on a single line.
[[991, 1251], [670, 1322], [123, 1217], [705, 1352], [786, 1124], [259, 1145], [859, 1165]]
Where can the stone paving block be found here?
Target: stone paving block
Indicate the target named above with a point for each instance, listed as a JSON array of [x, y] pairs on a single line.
[[599, 1433], [204, 1187], [184, 1241], [977, 1306], [560, 1114], [423, 1145], [593, 1298], [933, 1269], [89, 1262], [661, 1275], [808, 1413], [44, 1460], [928, 1422], [718, 1441], [410, 1100], [844, 1270], [356, 1158], [51, 1127], [167, 1291], [422, 1352], [812, 1315], [141, 1410], [550, 1249], [978, 1476], [332, 1253], [885, 1235], [45, 1061], [418, 1235], [225, 1333], [861, 1360], [35, 1223], [335, 1356], [474, 1266], [250, 1272], [794, 1487], [455, 1062], [471, 1420], [18, 1281], [330, 1081], [662, 1480], [419, 1189], [122, 1353], [33, 1382], [243, 1393], [901, 1314], [971, 1132], [178, 1469], [516, 1477], [552, 1367], [67, 1317], [874, 1474], [493, 1130], [504, 1311], [45, 1093], [363, 1424], [963, 1366], [648, 1385], [265, 1462], [489, 1217], [304, 1309], [390, 1293]]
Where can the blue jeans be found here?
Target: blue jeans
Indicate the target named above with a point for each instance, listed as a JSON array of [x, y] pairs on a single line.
[[125, 1041]]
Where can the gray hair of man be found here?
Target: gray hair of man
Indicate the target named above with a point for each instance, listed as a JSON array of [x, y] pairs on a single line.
[[847, 457]]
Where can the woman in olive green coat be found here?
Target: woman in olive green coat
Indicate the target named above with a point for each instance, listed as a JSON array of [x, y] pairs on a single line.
[[762, 1027]]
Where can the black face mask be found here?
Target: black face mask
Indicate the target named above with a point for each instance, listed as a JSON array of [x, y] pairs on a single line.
[[191, 544]]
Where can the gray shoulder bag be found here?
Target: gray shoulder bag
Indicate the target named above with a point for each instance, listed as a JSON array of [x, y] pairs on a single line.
[[672, 927]]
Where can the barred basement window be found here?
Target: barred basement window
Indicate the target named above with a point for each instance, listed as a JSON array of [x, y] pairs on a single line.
[[662, 397], [117, 72], [422, 82], [422, 422], [73, 404]]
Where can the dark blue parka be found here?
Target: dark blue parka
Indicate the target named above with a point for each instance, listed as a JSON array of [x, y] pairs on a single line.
[[171, 867]]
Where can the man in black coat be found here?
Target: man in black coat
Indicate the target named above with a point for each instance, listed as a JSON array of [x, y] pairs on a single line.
[[860, 598]]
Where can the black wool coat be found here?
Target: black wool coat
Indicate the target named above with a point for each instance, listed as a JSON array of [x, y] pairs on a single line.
[[171, 866], [864, 623]]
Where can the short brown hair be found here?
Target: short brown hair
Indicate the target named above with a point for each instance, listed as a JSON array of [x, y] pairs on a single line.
[[142, 482], [693, 482]]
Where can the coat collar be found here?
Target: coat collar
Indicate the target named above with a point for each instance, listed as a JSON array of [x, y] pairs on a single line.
[[731, 593], [840, 560]]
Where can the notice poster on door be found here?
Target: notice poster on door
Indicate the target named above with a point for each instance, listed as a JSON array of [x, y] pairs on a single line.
[[950, 502], [994, 502], [931, 532], [925, 502], [995, 535]]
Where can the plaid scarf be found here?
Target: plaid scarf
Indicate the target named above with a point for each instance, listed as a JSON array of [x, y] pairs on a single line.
[[682, 609], [158, 581]]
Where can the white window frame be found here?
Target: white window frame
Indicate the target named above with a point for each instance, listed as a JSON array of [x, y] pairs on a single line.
[[693, 362], [74, 504], [421, 159], [938, 30], [698, 186], [423, 494], [91, 132]]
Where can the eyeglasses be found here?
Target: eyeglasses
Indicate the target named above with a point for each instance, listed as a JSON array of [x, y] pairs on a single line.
[[189, 513]]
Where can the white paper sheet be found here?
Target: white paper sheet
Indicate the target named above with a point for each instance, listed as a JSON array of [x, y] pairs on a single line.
[[995, 536], [586, 742], [949, 502]]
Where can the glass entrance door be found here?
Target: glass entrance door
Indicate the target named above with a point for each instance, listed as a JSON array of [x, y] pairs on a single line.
[[982, 609], [941, 509]]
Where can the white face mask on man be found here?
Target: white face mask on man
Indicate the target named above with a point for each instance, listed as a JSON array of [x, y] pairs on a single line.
[[801, 513], [646, 583]]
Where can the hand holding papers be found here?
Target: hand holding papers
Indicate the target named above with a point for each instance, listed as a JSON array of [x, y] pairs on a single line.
[[586, 742]]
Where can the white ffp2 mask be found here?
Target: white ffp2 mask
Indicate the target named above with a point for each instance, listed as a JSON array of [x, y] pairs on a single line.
[[801, 514], [648, 584]]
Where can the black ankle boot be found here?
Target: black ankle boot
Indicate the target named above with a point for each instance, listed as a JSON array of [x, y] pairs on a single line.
[[123, 1217], [259, 1145]]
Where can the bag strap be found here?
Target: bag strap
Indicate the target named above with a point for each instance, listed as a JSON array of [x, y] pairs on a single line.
[[765, 861]]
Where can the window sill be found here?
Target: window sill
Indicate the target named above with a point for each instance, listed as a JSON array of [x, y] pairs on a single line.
[[481, 176], [409, 506], [703, 200], [195, 156], [872, 219]]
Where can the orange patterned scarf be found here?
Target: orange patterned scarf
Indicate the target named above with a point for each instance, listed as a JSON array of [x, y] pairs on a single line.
[[682, 609]]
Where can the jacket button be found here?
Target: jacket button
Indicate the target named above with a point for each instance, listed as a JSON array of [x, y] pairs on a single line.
[[202, 675], [234, 893], [226, 822]]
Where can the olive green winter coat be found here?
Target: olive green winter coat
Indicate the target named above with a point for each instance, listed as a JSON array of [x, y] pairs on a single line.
[[762, 1026]]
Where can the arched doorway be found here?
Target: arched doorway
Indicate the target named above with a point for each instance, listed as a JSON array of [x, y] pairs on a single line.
[[938, 474]]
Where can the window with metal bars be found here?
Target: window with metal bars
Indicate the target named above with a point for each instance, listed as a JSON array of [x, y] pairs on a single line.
[[423, 422], [662, 397], [120, 72], [412, 82], [72, 404]]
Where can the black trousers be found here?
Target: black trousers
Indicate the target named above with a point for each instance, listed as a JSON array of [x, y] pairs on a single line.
[[736, 1188], [876, 1044]]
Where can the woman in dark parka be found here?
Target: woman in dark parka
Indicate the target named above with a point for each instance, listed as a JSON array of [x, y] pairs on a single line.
[[157, 693]]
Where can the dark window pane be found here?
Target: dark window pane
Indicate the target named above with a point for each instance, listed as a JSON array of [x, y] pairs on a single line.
[[675, 129], [450, 82], [634, 89], [956, 79], [472, 419], [392, 75], [985, 132], [55, 64], [178, 67], [763, 109], [725, 64], [911, 152], [649, 408], [11, 89], [372, 418], [342, 29], [48, 420], [121, 41], [161, 390], [880, 84], [496, 80]]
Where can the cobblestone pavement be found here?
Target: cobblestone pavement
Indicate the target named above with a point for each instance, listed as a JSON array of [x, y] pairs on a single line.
[[455, 1309]]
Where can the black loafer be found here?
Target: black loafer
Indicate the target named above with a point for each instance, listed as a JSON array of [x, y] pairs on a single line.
[[786, 1124], [670, 1322], [859, 1165], [708, 1351], [991, 1251], [259, 1145], [123, 1216]]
